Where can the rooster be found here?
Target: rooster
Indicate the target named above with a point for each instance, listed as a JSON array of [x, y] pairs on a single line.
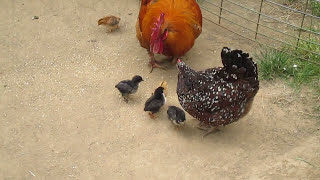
[[168, 27], [221, 95]]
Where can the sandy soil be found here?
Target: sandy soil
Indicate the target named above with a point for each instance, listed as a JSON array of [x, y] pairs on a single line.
[[62, 118]]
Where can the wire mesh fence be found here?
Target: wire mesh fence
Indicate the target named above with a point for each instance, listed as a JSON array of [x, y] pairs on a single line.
[[269, 23]]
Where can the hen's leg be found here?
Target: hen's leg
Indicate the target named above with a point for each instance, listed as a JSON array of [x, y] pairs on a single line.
[[208, 129], [153, 63]]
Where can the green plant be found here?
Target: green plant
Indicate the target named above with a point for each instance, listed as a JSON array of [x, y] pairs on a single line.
[[285, 64], [315, 7]]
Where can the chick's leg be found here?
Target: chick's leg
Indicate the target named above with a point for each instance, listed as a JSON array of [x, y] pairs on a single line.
[[152, 115], [153, 63], [114, 27], [126, 98], [177, 128]]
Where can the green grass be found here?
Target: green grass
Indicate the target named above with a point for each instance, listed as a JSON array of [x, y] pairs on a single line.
[[275, 64], [315, 7], [291, 1]]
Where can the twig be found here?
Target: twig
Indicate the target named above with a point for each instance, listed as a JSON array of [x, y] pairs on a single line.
[[300, 159], [309, 114], [262, 101], [32, 174]]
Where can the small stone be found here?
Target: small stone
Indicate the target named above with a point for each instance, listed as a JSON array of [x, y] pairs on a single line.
[[92, 40], [35, 17]]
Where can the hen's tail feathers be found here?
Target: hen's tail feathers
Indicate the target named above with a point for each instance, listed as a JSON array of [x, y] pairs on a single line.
[[238, 62]]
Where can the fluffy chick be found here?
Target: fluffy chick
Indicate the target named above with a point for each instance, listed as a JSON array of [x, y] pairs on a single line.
[[155, 102], [164, 84], [127, 87], [111, 22], [176, 115]]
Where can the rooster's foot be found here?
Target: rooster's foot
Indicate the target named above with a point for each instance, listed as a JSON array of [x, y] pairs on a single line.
[[154, 64]]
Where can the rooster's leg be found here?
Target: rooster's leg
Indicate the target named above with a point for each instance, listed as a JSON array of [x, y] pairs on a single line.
[[153, 63], [173, 60]]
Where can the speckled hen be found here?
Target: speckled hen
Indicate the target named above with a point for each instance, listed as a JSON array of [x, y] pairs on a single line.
[[221, 95]]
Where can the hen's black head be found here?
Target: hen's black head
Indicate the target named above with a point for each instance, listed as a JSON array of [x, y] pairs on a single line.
[[137, 79], [184, 69]]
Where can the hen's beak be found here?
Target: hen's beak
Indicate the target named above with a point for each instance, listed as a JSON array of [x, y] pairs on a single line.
[[178, 64]]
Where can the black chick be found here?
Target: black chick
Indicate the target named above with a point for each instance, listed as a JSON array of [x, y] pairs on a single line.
[[176, 115], [127, 87], [155, 102]]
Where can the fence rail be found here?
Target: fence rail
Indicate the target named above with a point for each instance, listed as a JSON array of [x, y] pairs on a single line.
[[225, 11]]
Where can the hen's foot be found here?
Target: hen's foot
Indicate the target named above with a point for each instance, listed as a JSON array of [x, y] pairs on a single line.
[[154, 64], [208, 129]]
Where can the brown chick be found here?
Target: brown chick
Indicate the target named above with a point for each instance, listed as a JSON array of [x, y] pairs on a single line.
[[111, 22]]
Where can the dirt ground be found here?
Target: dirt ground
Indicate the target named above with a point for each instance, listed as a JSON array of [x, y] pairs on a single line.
[[62, 118]]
